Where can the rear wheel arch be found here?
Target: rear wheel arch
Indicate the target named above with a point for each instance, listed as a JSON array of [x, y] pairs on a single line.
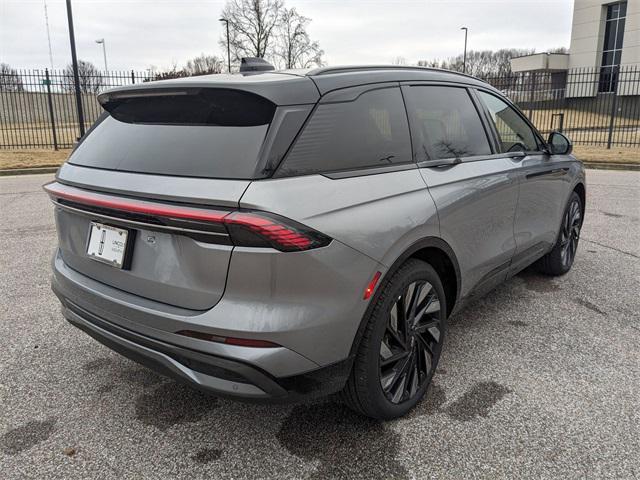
[[440, 256]]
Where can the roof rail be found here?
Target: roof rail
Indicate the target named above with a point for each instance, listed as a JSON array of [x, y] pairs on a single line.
[[364, 68]]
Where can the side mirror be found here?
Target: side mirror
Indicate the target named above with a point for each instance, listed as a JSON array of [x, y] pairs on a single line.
[[559, 144]]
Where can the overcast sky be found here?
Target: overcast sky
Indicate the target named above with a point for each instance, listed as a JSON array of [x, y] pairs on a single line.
[[144, 33]]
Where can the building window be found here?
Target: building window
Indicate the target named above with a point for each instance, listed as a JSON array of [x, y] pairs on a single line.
[[612, 47]]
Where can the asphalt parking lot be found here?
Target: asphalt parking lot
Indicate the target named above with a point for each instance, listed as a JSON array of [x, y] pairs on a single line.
[[541, 378]]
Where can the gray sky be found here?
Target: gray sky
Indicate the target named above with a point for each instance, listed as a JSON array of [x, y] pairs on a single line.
[[141, 33]]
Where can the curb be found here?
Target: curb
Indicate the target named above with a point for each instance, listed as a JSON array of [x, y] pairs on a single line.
[[27, 171], [612, 166]]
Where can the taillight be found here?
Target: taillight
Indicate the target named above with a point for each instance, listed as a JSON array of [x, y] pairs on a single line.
[[264, 229], [245, 228]]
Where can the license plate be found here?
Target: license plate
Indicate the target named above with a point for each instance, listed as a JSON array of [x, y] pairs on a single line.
[[107, 244]]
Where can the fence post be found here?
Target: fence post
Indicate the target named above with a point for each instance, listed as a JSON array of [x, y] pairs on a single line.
[[50, 102], [532, 95], [133, 77], [614, 104]]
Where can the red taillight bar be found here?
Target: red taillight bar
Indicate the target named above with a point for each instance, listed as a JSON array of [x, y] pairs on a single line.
[[130, 205], [271, 230]]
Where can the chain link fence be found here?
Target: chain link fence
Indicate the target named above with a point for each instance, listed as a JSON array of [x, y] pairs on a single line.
[[593, 107]]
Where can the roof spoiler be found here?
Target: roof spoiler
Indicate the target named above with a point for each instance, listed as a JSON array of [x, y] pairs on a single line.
[[255, 64]]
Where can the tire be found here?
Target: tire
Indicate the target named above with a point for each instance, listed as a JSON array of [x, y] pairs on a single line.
[[559, 260], [396, 346]]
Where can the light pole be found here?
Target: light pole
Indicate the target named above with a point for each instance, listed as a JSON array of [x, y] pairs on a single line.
[[104, 52], [74, 63], [464, 57], [228, 44]]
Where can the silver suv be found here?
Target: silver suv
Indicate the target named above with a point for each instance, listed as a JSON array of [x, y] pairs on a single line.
[[285, 235]]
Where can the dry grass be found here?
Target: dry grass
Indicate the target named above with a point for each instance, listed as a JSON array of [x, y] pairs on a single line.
[[601, 154], [31, 158], [44, 158]]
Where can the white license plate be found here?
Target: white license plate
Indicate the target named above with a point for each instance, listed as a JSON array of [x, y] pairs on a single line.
[[107, 244]]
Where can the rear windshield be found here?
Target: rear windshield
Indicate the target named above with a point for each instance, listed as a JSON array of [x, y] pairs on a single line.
[[214, 133]]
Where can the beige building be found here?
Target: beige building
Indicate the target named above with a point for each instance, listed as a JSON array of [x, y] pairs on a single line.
[[604, 55], [605, 33]]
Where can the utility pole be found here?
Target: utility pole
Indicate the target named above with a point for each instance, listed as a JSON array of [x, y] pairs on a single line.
[[464, 57], [46, 21], [74, 61], [228, 44]]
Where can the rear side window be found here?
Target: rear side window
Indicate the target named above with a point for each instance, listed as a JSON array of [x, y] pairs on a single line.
[[445, 123], [515, 134], [370, 131], [211, 133]]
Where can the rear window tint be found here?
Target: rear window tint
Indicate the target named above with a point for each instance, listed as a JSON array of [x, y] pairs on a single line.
[[371, 131], [214, 134], [445, 123], [206, 106]]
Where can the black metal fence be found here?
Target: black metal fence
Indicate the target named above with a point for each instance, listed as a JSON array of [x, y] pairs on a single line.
[[38, 107], [591, 106]]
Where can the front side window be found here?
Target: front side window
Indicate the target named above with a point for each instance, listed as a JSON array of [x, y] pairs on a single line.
[[444, 123], [612, 47], [514, 133], [370, 131]]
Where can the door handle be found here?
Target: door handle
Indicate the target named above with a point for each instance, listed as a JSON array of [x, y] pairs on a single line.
[[446, 162], [516, 156]]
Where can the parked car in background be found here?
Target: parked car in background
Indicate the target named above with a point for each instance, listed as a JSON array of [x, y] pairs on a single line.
[[283, 235]]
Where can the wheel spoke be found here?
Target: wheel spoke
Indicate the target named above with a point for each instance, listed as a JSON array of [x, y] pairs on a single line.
[[385, 362], [399, 380], [395, 335], [413, 302]]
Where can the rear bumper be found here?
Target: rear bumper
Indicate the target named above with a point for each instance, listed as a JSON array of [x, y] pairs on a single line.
[[221, 375]]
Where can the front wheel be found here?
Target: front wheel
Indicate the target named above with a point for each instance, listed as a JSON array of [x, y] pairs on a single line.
[[559, 260], [401, 344]]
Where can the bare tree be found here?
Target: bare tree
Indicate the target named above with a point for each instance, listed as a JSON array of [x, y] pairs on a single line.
[[399, 60], [429, 63], [203, 65], [483, 64], [91, 80], [294, 48], [252, 27], [10, 80]]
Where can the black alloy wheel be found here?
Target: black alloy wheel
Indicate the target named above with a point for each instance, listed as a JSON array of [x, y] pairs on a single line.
[[411, 343], [570, 234]]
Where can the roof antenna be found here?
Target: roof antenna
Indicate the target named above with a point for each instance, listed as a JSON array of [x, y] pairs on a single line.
[[254, 64]]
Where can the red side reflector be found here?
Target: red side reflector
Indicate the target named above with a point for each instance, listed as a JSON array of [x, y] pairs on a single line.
[[240, 342], [372, 286], [248, 342]]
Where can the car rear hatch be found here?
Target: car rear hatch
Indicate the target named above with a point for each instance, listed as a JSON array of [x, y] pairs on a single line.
[[142, 200]]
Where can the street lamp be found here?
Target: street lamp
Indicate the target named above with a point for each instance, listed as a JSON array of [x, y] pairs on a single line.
[[228, 44], [464, 57], [74, 63], [104, 52]]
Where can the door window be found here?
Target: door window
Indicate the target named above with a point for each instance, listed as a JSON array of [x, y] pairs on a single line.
[[370, 131], [444, 123], [514, 133]]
